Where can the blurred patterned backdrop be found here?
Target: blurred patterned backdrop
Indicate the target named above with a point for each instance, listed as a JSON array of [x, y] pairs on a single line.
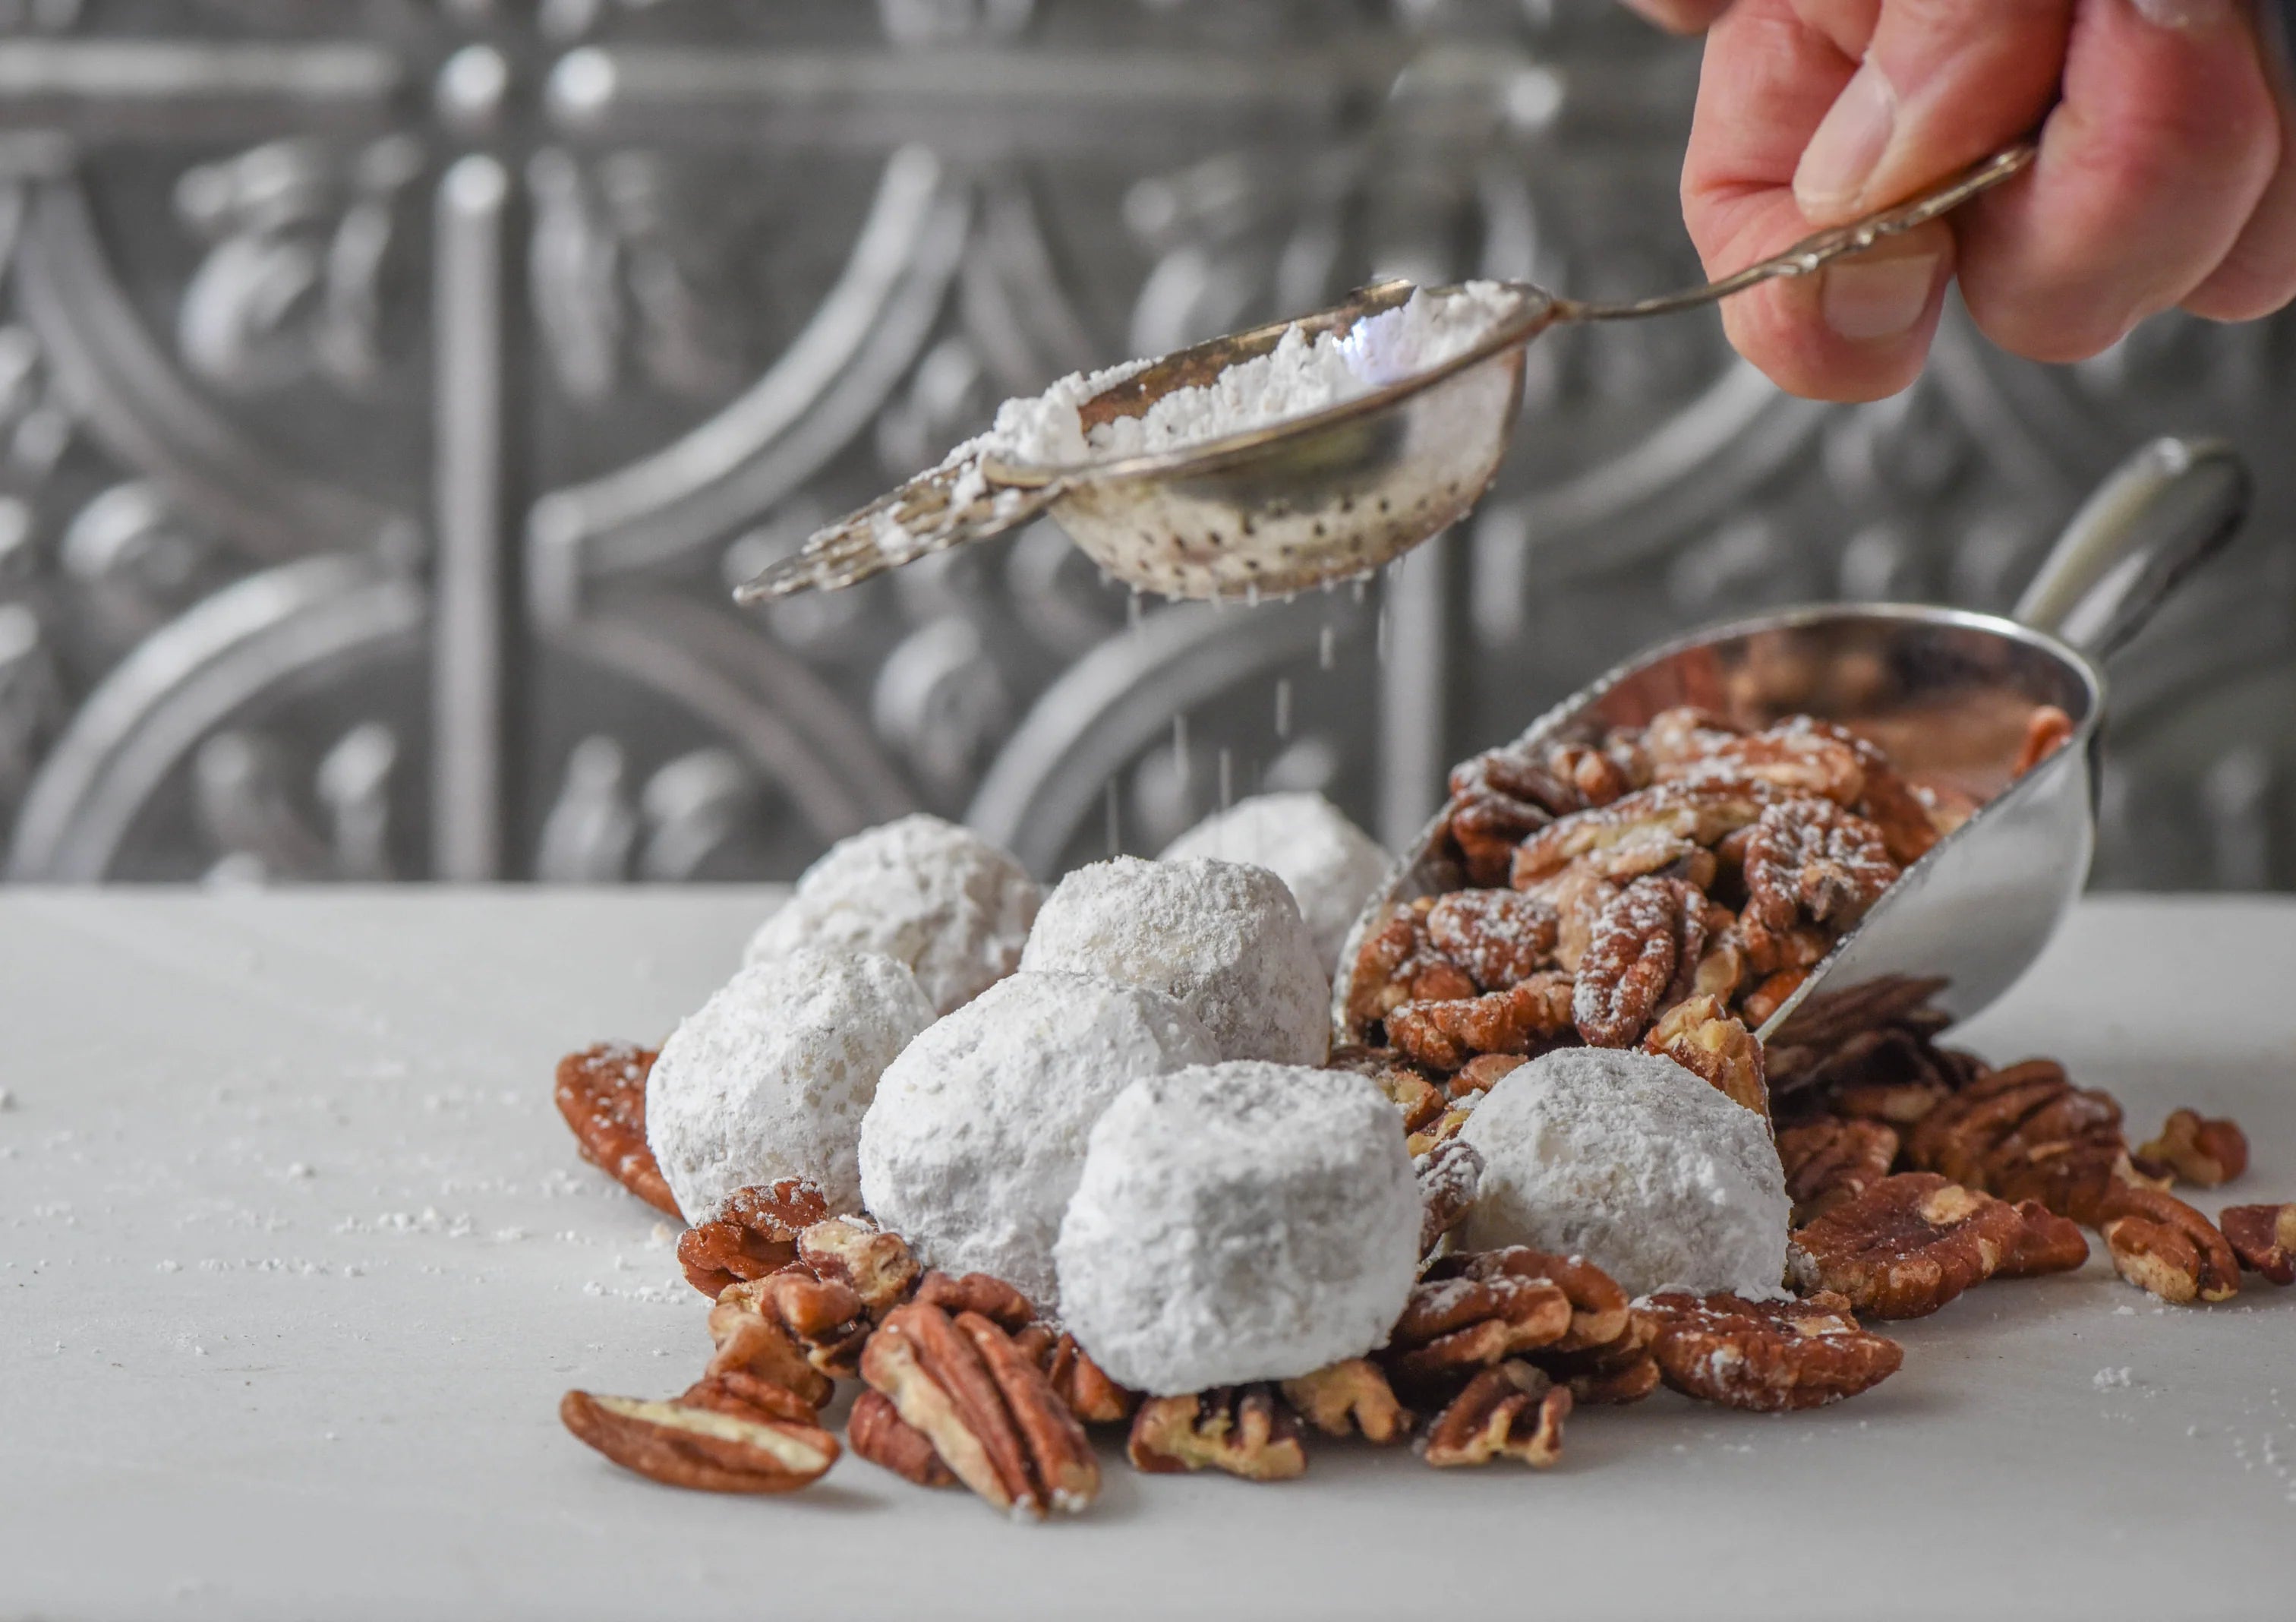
[[390, 389]]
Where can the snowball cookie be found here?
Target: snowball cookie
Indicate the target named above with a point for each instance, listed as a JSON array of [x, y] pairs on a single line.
[[1634, 1163], [771, 1077], [937, 896], [977, 1136], [1239, 1222], [1225, 939], [1331, 865]]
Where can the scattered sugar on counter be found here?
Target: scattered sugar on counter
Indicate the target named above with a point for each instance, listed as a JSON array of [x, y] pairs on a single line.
[[977, 1136], [1225, 939], [1330, 865], [1239, 1222], [1634, 1163], [771, 1077], [927, 893]]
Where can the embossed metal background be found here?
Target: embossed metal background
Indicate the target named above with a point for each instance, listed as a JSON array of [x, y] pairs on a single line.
[[388, 391]]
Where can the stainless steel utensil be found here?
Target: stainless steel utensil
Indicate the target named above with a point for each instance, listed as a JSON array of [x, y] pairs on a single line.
[[1316, 498], [1948, 694]]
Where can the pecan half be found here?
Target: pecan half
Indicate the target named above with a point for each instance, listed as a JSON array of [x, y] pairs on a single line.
[[1083, 1384], [1499, 937], [1449, 1174], [2160, 1243], [989, 1413], [790, 1329], [1241, 1429], [1662, 818], [1905, 1246], [1829, 1159], [2263, 1238], [1498, 799], [1704, 1038], [2046, 1243], [1810, 858], [601, 1091], [1650, 935], [1623, 1371], [683, 1444], [877, 1432], [1442, 1129], [1767, 998], [2196, 1150], [1767, 1356], [982, 1292], [1350, 1398], [1475, 1310], [1684, 736], [1398, 964], [1484, 1071], [1416, 1098], [754, 1233], [2026, 1133], [1800, 757], [1513, 1411], [854, 1251], [1443, 1036]]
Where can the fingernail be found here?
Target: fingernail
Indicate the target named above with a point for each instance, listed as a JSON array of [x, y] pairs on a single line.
[[1848, 144], [2189, 15], [1865, 299]]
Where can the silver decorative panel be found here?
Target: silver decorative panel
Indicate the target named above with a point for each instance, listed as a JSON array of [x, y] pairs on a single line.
[[390, 389]]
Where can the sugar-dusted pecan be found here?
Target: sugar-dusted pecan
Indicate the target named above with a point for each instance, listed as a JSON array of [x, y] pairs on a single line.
[[1649, 937], [1484, 1071], [1767, 1356], [1665, 817], [1453, 1325], [754, 1234], [1577, 894], [1245, 1431], [1800, 757], [1810, 858], [1442, 1129], [1603, 774], [1471, 1311], [1703, 1037], [1512, 1411], [988, 1410], [1449, 1174], [854, 1251], [1498, 799], [2195, 1149], [2046, 1243], [601, 1091], [1350, 1398], [876, 1432], [1830, 1159], [1905, 1246], [1624, 1371], [687, 1444], [1500, 936], [2046, 731], [1682, 737], [2159, 1243], [2263, 1238], [2026, 1133], [1443, 1036]]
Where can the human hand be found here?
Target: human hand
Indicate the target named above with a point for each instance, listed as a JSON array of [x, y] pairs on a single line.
[[2167, 174]]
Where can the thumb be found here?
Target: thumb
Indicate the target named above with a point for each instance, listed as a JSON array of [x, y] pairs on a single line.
[[1942, 84]]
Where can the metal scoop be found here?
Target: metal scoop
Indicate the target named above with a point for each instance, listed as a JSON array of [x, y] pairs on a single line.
[[1948, 694], [1313, 499]]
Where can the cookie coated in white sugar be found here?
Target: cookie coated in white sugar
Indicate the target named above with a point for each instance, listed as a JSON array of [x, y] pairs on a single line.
[[1223, 937], [1239, 1222], [1330, 865], [925, 892], [770, 1078], [977, 1136], [1634, 1163]]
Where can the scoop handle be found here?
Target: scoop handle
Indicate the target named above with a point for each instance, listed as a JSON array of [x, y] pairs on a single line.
[[2162, 513]]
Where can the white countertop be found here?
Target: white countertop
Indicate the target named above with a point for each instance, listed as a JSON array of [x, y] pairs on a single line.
[[296, 1258]]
